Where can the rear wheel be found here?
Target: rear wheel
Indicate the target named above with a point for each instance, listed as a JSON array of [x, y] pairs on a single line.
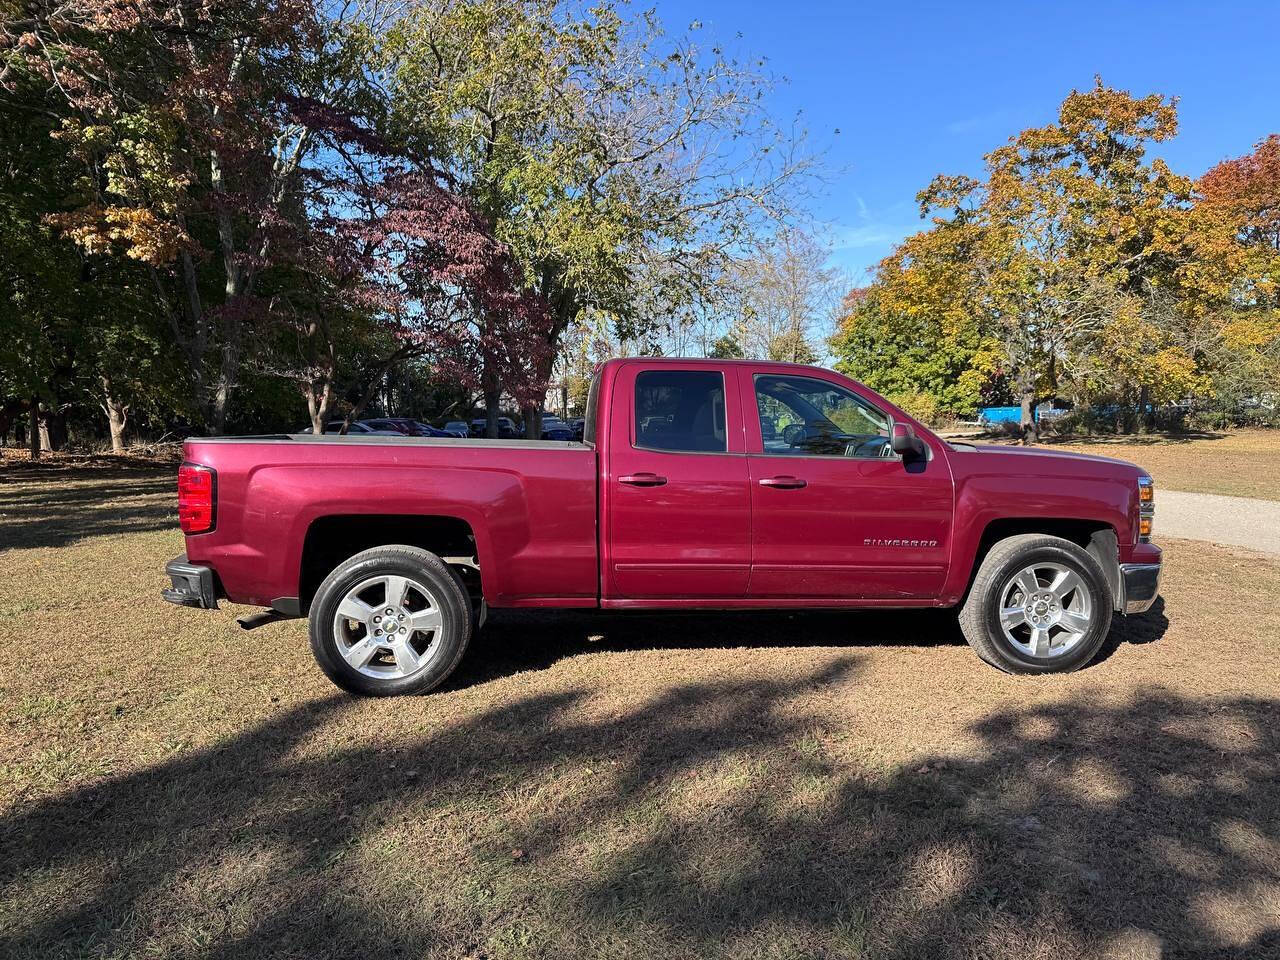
[[1039, 604], [390, 620]]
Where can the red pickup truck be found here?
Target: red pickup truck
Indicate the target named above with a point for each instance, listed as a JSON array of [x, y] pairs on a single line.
[[698, 484]]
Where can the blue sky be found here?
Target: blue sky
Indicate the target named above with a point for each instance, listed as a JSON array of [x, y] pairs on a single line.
[[922, 88]]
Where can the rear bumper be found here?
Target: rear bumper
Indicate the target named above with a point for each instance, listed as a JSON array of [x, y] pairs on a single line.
[[1139, 586], [193, 585]]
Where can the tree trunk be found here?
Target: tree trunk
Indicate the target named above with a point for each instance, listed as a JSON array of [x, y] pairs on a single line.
[[227, 375], [492, 397], [1030, 428], [33, 431], [319, 394], [318, 408], [46, 436], [533, 423], [117, 415], [545, 367], [375, 382], [1144, 419]]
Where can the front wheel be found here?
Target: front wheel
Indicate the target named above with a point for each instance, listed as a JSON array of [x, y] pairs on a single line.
[[1039, 604], [390, 620]]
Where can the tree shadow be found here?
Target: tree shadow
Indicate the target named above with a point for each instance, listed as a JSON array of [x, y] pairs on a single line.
[[61, 466], [1132, 439], [55, 512], [717, 819], [514, 641], [1013, 438]]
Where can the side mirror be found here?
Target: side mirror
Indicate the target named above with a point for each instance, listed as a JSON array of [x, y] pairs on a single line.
[[905, 443]]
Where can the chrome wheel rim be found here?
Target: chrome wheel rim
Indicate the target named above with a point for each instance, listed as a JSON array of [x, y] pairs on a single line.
[[1046, 610], [388, 627]]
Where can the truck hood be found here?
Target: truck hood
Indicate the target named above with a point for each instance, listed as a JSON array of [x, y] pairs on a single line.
[[1042, 461]]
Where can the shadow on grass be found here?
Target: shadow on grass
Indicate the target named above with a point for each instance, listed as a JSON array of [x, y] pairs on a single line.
[[17, 467], [515, 641], [1098, 439], [1133, 439], [54, 512], [714, 820]]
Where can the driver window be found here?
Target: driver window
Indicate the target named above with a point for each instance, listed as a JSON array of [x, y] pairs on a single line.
[[801, 416]]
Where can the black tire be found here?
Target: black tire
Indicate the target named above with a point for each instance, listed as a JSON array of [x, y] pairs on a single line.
[[447, 646], [980, 613]]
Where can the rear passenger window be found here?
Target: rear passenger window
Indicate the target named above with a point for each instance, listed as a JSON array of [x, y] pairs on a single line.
[[681, 410]]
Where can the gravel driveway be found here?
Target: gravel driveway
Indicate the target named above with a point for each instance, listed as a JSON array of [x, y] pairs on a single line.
[[1237, 521]]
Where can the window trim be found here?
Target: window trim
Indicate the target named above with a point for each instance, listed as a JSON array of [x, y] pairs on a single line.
[[591, 414], [635, 420], [831, 385]]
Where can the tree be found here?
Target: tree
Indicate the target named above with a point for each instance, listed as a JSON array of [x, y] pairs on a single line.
[[1247, 189], [1243, 194], [241, 151], [1064, 252], [623, 167], [786, 293], [79, 332], [912, 354], [727, 347]]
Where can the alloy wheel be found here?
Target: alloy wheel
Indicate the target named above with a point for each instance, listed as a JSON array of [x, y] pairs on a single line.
[[387, 627]]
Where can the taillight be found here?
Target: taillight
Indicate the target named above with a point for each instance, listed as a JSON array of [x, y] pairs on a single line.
[[196, 498]]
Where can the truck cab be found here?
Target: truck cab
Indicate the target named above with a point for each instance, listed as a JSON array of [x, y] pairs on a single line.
[[698, 484]]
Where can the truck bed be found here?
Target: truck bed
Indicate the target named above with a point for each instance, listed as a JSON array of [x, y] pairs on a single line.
[[530, 507]]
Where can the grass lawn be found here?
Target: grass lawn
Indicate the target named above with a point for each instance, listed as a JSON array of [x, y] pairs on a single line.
[[761, 785], [1244, 463]]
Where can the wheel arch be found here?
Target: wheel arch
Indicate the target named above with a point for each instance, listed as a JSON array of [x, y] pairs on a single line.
[[1097, 537], [333, 538]]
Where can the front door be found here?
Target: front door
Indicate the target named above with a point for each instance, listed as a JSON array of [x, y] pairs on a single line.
[[678, 497], [836, 514]]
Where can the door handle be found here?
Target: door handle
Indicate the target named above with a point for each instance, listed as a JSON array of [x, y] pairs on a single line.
[[642, 479], [782, 483]]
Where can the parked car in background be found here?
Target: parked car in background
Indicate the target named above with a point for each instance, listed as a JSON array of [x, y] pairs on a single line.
[[507, 429], [358, 426], [383, 424], [458, 428], [677, 499], [553, 428], [405, 425]]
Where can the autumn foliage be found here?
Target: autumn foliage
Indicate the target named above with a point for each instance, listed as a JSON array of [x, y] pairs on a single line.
[[1078, 268]]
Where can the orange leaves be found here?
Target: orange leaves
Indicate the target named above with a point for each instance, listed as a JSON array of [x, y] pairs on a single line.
[[144, 236], [1103, 113], [1248, 186], [1243, 195]]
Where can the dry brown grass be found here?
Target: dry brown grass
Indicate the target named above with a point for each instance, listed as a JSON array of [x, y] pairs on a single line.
[[707, 785], [1244, 463]]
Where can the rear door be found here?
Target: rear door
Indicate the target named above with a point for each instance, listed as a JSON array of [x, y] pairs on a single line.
[[835, 512], [677, 498]]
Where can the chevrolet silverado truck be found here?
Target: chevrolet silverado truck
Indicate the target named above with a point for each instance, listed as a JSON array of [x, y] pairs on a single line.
[[698, 484]]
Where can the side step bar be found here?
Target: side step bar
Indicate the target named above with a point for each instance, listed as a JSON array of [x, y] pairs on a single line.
[[252, 621]]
